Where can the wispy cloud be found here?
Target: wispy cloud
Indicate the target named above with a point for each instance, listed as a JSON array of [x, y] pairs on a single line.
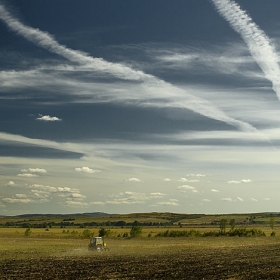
[[151, 83], [48, 118], [260, 46], [214, 190], [10, 183]]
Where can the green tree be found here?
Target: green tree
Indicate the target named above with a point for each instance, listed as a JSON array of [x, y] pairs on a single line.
[[87, 233], [27, 232], [135, 231], [223, 224], [232, 224], [272, 223]]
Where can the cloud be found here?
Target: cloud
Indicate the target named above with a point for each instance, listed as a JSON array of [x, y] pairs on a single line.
[[48, 118], [226, 199], [187, 180], [240, 199], [246, 181], [239, 182], [157, 195], [27, 175], [37, 170], [266, 198], [186, 187], [72, 203], [214, 190], [133, 180], [257, 41], [10, 183], [17, 200], [195, 175], [170, 202], [206, 200], [86, 169], [151, 84], [253, 199], [167, 180]]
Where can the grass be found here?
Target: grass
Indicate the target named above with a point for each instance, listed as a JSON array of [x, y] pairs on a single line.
[[54, 243]]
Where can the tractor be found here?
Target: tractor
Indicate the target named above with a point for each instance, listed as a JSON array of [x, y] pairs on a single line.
[[97, 244]]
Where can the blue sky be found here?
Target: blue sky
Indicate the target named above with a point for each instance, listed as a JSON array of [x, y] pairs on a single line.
[[138, 106]]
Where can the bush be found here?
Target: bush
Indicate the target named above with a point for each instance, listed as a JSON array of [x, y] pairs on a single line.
[[273, 233], [27, 232], [136, 231], [87, 233]]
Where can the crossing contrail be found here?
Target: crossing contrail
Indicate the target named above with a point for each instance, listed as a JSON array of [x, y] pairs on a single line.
[[259, 44], [121, 71]]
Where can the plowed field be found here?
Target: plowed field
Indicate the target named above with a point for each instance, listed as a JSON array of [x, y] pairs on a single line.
[[245, 262]]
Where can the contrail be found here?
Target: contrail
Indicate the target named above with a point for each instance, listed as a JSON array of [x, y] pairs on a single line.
[[258, 43], [193, 103]]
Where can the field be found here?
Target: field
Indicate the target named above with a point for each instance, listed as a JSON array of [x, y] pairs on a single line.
[[54, 254]]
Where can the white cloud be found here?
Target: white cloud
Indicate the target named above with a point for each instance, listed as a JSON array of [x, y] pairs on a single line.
[[86, 169], [260, 46], [17, 200], [196, 175], [48, 118], [167, 180], [10, 183], [266, 198], [72, 203], [37, 170], [240, 199], [27, 175], [187, 180], [226, 199], [44, 188], [186, 187], [170, 202], [253, 199], [214, 190], [157, 194], [239, 182], [20, 195], [234, 182], [121, 71], [77, 195], [133, 180], [246, 181], [206, 200]]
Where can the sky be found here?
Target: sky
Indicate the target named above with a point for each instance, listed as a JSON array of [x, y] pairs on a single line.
[[123, 106]]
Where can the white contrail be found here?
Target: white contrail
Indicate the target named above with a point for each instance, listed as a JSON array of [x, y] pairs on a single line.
[[45, 40], [258, 43]]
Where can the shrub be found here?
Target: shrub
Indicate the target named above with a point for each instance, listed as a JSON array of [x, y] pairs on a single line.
[[135, 231], [27, 232], [87, 233]]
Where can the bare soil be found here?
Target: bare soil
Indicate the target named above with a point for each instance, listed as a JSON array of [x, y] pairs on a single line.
[[244, 262]]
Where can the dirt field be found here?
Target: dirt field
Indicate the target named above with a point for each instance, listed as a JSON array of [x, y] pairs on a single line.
[[244, 262]]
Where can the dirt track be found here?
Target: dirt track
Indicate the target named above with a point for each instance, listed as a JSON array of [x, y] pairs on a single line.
[[256, 262]]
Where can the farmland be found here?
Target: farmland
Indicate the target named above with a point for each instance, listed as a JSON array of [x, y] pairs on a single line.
[[61, 252]]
